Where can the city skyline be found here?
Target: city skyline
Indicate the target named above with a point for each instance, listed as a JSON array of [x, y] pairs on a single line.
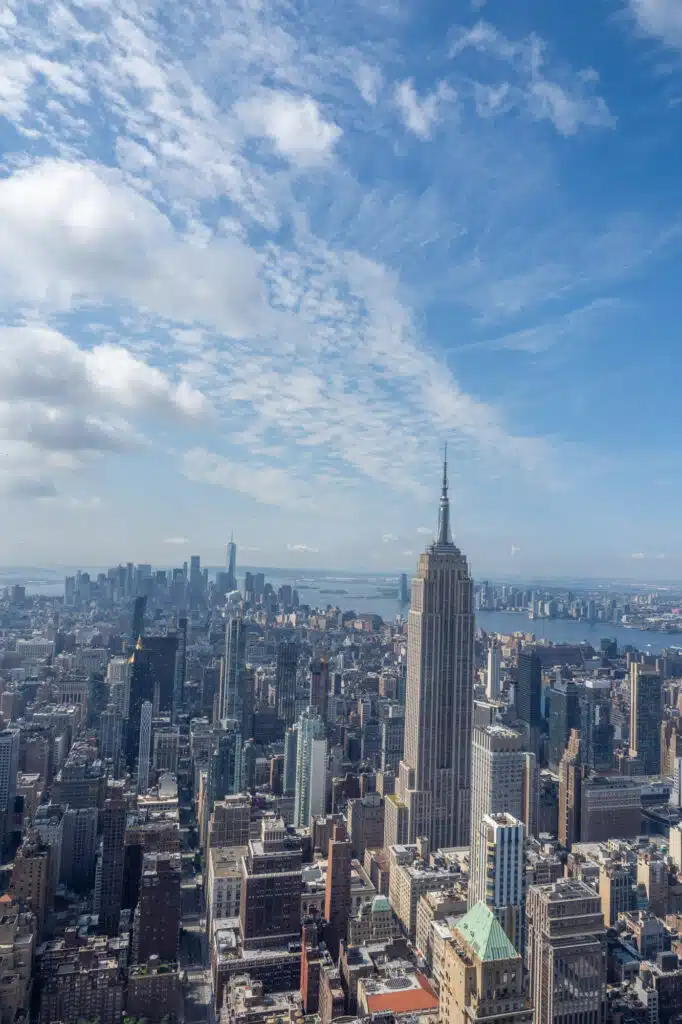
[[260, 266]]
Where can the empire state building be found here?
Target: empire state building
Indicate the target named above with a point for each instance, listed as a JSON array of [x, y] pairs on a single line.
[[433, 794]]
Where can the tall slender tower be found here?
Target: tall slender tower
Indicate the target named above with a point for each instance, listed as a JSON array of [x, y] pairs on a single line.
[[435, 773], [232, 564]]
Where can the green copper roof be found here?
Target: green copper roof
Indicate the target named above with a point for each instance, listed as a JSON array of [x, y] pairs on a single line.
[[484, 933]]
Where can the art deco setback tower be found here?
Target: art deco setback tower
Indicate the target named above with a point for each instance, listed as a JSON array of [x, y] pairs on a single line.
[[435, 773]]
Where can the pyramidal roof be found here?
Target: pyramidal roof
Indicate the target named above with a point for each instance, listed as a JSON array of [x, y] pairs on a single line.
[[484, 933]]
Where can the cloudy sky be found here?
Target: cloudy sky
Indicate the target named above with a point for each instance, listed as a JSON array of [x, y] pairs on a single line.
[[259, 259]]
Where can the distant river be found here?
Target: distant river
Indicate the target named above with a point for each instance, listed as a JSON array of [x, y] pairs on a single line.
[[568, 631]]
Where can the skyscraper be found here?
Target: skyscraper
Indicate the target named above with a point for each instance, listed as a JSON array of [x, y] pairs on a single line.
[[497, 786], [311, 769], [236, 697], [564, 715], [9, 762], [566, 952], [156, 923], [319, 687], [482, 977], [528, 693], [492, 687], [144, 755], [500, 875], [337, 898], [231, 562], [141, 689], [596, 730], [645, 718], [225, 764], [285, 681], [113, 859], [435, 774], [137, 624]]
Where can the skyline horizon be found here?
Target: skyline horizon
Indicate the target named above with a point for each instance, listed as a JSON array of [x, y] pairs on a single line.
[[599, 582]]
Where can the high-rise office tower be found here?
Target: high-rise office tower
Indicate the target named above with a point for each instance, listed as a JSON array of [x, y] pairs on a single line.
[[492, 683], [156, 924], [111, 736], [499, 880], [270, 909], [311, 769], [646, 711], [566, 953], [435, 774], [112, 861], [285, 681], [393, 739], [137, 624], [180, 667], [166, 750], [79, 848], [144, 755], [236, 696], [564, 715], [141, 689], [529, 692], [290, 749], [337, 897], [497, 786], [9, 762], [596, 730], [482, 978], [319, 687], [162, 652], [225, 762], [231, 562], [570, 791]]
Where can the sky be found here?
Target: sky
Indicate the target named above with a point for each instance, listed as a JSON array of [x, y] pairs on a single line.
[[261, 259]]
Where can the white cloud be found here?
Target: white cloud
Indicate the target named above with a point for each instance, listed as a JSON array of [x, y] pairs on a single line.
[[515, 550], [303, 549], [659, 18], [269, 485], [369, 81], [76, 233], [61, 405], [408, 553], [638, 555], [294, 124], [421, 114], [425, 531], [177, 541], [389, 538], [567, 99]]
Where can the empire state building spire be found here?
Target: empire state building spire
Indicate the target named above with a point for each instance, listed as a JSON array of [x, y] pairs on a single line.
[[444, 507]]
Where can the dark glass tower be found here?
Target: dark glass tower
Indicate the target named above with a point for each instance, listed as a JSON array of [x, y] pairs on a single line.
[[141, 690], [287, 667], [564, 715]]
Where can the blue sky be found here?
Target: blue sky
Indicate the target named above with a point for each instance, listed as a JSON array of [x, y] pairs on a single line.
[[259, 259]]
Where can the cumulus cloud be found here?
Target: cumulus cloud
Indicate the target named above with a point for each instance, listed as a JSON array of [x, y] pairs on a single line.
[[177, 541], [76, 233], [638, 555], [425, 531], [514, 551], [61, 404], [294, 124], [303, 549], [389, 538], [421, 113]]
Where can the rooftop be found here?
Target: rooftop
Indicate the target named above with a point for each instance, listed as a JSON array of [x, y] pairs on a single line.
[[483, 932]]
